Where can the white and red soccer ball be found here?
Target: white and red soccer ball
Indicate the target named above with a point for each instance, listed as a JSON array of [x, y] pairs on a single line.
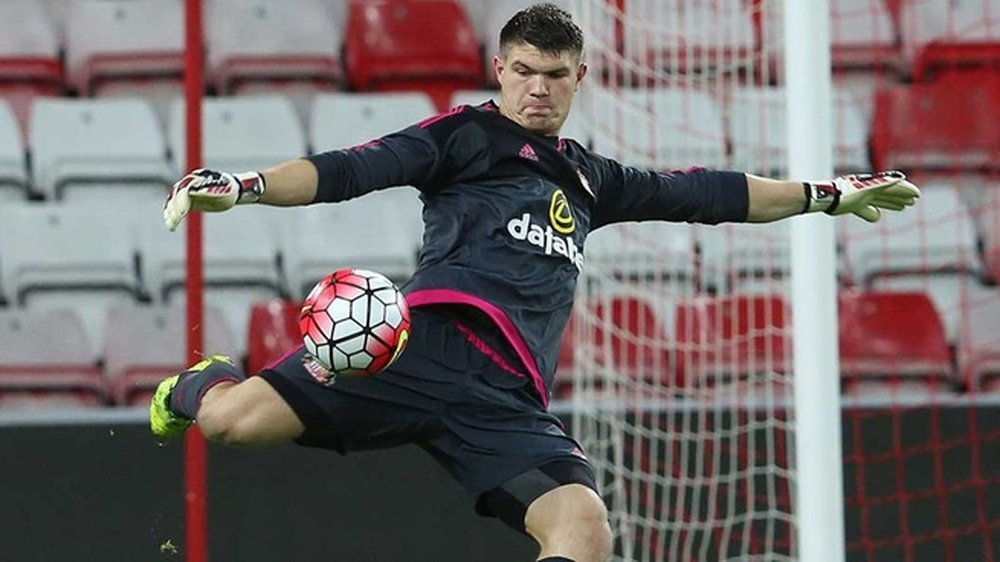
[[354, 322]]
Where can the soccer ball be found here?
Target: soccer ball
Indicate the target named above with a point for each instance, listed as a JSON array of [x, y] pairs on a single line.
[[354, 322]]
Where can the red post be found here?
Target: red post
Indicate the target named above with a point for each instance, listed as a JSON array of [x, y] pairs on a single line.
[[195, 485]]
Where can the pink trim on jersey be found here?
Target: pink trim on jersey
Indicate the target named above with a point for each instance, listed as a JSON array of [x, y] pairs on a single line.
[[488, 351], [447, 296], [434, 119], [287, 354]]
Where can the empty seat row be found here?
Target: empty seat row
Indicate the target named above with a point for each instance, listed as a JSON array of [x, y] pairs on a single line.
[[889, 342]]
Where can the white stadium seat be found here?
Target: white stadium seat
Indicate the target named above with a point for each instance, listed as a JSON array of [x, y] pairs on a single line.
[[735, 256], [57, 256], [113, 41], [648, 248], [341, 120], [241, 133], [660, 129], [97, 142], [296, 39]]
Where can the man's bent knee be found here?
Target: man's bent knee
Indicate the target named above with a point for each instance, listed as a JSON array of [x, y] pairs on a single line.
[[246, 414], [571, 521]]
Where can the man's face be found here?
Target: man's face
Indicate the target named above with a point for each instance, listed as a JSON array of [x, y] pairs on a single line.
[[537, 88]]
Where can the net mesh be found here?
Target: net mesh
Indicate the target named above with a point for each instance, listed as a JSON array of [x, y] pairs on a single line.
[[677, 361]]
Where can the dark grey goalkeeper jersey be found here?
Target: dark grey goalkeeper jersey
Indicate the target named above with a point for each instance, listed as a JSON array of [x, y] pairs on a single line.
[[506, 213]]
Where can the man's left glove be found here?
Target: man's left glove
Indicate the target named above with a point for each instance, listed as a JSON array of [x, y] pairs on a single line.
[[864, 195], [212, 191]]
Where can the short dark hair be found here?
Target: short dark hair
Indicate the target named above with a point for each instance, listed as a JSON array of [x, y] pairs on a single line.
[[547, 27]]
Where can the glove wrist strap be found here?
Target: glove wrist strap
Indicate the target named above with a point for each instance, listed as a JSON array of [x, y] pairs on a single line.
[[251, 187], [821, 196]]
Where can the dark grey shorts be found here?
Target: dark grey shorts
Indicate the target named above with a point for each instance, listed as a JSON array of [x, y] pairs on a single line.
[[456, 399]]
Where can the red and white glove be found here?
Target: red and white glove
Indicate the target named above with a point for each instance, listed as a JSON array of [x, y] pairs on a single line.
[[211, 191], [864, 195]]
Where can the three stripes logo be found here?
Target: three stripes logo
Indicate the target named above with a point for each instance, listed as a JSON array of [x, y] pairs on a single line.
[[560, 213]]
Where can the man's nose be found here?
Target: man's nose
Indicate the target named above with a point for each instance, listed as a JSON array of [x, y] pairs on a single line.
[[539, 85]]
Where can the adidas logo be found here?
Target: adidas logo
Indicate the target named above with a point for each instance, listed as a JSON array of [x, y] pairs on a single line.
[[528, 153]]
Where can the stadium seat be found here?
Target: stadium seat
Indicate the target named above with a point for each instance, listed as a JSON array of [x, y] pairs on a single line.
[[240, 133], [46, 359], [659, 249], [427, 45], [272, 332], [79, 149], [241, 259], [376, 231], [341, 120], [689, 37], [661, 129], [892, 343], [258, 41], [945, 125], [56, 256], [115, 45], [943, 36], [30, 66], [628, 339], [954, 296], [722, 340], [758, 131], [734, 255], [978, 351], [13, 168], [935, 237], [145, 344]]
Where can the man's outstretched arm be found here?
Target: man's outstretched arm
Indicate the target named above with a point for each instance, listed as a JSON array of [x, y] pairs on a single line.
[[864, 195]]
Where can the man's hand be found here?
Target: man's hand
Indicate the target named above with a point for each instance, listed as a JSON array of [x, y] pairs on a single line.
[[864, 195], [212, 191]]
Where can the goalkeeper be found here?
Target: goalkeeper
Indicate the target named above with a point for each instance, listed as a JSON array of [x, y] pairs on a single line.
[[507, 207]]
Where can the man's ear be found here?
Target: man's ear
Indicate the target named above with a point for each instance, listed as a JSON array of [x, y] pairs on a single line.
[[581, 71], [498, 66]]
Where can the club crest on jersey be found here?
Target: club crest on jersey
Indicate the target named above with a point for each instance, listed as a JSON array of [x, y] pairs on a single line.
[[546, 238], [560, 213]]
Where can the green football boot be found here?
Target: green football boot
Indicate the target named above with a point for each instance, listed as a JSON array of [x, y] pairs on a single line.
[[163, 422]]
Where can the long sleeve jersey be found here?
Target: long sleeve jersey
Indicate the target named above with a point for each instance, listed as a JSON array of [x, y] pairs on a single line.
[[507, 212]]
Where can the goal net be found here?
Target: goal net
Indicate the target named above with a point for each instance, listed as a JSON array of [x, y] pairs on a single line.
[[677, 363]]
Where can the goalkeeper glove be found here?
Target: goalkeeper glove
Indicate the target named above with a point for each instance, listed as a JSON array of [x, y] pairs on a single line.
[[208, 190], [864, 195]]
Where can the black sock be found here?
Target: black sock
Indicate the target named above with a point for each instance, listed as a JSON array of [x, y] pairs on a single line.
[[186, 396], [555, 559]]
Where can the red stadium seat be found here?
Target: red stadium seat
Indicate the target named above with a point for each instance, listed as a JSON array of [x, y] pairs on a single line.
[[892, 341], [628, 328], [947, 125], [273, 331], [425, 45], [724, 339]]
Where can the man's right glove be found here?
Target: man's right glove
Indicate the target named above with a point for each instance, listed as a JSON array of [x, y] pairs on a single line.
[[865, 195], [212, 191]]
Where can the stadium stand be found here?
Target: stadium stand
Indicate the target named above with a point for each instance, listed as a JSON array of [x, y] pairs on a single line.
[[944, 125], [645, 250], [30, 64], [241, 260], [430, 46], [736, 256], [721, 340], [941, 36], [979, 350], [341, 120], [57, 256], [241, 132], [143, 344], [624, 116], [77, 144], [273, 331], [37, 371], [297, 41], [892, 343], [13, 166], [115, 48]]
